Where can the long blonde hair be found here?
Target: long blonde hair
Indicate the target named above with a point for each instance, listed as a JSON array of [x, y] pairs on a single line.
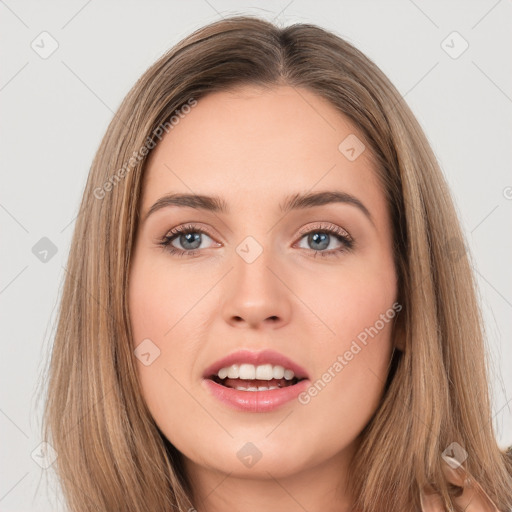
[[111, 454]]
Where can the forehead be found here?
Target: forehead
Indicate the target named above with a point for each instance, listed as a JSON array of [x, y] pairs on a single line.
[[251, 143]]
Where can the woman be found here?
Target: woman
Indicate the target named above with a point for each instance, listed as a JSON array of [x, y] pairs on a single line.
[[268, 305]]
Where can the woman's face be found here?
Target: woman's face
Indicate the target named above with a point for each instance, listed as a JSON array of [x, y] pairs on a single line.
[[309, 282]]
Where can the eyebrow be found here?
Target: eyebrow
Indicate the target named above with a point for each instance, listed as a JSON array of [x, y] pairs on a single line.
[[294, 202]]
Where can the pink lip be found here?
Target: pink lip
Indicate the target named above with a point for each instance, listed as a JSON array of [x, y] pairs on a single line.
[[256, 358], [255, 401]]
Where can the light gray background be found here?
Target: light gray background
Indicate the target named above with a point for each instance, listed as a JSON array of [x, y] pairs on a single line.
[[56, 110]]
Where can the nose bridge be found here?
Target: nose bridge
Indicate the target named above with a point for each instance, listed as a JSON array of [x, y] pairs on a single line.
[[255, 293], [252, 268]]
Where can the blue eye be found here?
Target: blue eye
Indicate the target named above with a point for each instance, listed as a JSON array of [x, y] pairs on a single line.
[[319, 238], [190, 237]]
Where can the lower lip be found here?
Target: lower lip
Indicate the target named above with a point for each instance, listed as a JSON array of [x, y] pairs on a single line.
[[255, 401]]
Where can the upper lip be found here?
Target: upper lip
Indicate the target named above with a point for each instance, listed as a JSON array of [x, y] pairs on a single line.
[[256, 358]]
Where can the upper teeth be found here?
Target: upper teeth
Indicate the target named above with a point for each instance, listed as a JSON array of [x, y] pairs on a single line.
[[251, 372]]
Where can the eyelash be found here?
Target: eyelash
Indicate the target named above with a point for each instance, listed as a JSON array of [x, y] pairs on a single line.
[[331, 229]]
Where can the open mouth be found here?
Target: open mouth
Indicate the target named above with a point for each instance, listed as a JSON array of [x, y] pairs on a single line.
[[255, 384], [276, 378]]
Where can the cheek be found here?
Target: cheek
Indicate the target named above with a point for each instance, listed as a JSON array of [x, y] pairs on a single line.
[[348, 299], [358, 306], [154, 309], [158, 298], [157, 303]]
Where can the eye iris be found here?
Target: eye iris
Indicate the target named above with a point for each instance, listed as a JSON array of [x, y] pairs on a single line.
[[190, 238], [322, 237]]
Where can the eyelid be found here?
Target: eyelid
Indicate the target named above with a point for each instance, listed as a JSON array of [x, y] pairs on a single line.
[[327, 226], [319, 226], [189, 226]]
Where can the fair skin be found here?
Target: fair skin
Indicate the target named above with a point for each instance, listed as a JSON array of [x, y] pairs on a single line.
[[254, 147]]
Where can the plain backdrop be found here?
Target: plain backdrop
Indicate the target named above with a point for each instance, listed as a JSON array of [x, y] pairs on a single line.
[[55, 108]]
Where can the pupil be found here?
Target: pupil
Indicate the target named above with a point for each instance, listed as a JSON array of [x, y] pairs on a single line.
[[315, 238], [191, 238]]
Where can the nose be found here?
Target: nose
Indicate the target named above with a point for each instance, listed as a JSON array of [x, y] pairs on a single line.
[[256, 295]]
